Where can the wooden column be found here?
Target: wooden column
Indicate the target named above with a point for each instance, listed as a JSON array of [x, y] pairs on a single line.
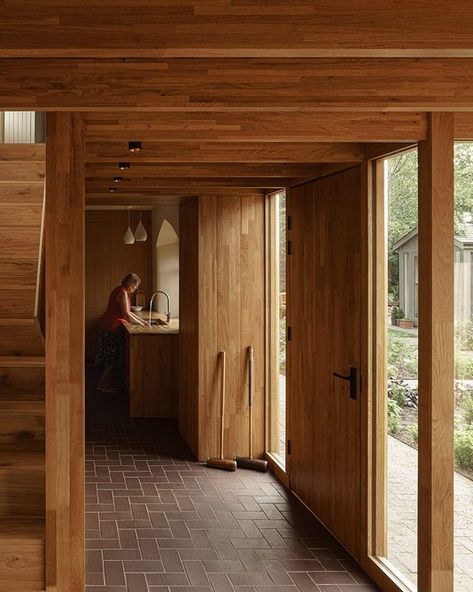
[[436, 351], [64, 248]]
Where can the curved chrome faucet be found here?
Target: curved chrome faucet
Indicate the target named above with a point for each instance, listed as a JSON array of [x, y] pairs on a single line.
[[168, 301]]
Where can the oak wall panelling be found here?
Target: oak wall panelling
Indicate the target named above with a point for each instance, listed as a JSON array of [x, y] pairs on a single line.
[[108, 259]]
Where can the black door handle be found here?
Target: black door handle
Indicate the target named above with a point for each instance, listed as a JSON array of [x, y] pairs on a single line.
[[352, 378]]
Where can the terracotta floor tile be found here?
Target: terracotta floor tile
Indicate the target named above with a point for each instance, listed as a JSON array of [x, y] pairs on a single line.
[[158, 522]]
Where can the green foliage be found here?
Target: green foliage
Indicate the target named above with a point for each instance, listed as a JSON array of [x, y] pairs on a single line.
[[394, 416], [464, 368], [414, 431], [402, 199], [402, 358], [464, 449], [464, 335], [467, 408], [398, 393]]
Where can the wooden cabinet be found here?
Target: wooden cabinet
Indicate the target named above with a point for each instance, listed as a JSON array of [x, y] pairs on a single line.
[[222, 308], [152, 366]]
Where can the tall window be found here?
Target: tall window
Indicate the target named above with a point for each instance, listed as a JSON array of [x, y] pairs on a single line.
[[276, 230]]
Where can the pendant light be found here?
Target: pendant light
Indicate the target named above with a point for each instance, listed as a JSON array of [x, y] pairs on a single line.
[[129, 238], [140, 232]]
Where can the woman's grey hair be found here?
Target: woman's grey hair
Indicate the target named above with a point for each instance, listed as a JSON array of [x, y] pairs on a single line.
[[130, 279]]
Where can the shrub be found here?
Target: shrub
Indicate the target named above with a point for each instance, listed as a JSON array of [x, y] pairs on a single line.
[[464, 368], [394, 416], [402, 359], [467, 406], [414, 431], [464, 449], [464, 335], [398, 393]]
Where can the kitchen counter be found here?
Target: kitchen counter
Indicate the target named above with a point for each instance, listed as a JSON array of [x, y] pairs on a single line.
[[170, 329], [152, 367]]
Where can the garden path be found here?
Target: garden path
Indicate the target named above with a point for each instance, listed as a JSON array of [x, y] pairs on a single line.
[[402, 517]]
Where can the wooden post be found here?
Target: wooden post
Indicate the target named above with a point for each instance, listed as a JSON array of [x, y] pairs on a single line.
[[64, 266], [436, 351]]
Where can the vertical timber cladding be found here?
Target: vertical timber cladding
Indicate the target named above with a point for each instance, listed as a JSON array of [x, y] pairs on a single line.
[[436, 351], [324, 312], [231, 318], [64, 266]]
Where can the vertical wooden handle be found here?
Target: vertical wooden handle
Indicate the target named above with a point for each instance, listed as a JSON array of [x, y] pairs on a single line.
[[250, 400], [222, 401]]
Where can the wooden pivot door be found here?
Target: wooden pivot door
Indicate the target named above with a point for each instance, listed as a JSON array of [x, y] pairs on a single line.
[[324, 317]]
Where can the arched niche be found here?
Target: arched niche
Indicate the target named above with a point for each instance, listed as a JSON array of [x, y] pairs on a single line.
[[167, 264]]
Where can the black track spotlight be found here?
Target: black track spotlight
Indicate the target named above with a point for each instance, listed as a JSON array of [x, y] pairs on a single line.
[[123, 166], [134, 146], [117, 179], [112, 189]]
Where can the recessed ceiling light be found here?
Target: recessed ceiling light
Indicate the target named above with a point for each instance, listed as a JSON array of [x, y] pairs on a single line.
[[117, 179], [112, 189], [123, 166], [134, 146]]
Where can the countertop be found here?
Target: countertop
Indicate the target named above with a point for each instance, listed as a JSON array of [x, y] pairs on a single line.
[[170, 329]]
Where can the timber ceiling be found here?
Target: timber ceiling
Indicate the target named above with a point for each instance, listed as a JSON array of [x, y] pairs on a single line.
[[236, 95]]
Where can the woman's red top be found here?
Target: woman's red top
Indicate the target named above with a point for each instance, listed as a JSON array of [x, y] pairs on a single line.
[[112, 318]]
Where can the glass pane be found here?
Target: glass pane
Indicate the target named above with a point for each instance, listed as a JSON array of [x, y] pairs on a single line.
[[277, 266], [463, 272], [402, 366]]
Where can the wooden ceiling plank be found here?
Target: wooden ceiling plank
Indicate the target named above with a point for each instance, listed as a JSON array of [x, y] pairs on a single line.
[[248, 152], [219, 28], [141, 185], [141, 171], [330, 84]]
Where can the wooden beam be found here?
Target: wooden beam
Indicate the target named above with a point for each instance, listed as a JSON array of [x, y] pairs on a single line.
[[144, 171], [163, 196], [151, 183], [274, 28], [436, 357], [64, 236], [239, 85], [374, 151], [208, 152]]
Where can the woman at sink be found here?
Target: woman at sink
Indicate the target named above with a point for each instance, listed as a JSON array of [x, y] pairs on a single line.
[[110, 349]]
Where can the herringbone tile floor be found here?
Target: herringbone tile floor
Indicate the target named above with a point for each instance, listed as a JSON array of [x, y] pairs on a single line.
[[158, 522]]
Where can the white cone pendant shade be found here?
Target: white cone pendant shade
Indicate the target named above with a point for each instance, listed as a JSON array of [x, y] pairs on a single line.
[[140, 232], [129, 238]]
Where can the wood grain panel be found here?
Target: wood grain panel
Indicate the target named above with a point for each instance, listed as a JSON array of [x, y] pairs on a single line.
[[21, 383], [28, 215], [282, 126], [241, 85], [23, 153], [22, 482], [21, 193], [21, 339], [18, 303], [208, 152], [22, 428], [19, 242], [323, 311], [21, 273], [220, 29], [21, 172], [189, 290], [153, 380], [231, 284], [64, 239], [143, 171], [22, 549], [436, 356]]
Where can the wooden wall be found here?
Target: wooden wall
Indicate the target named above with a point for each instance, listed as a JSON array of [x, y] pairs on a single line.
[[224, 251], [107, 260]]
